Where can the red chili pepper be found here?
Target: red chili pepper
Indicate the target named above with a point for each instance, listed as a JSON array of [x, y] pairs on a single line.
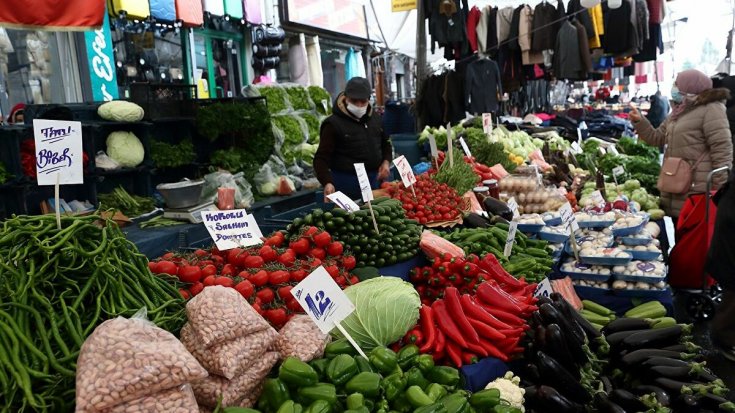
[[491, 264], [454, 353], [474, 310], [486, 331], [436, 263], [438, 356], [516, 332], [428, 328], [469, 358], [506, 317], [446, 324], [477, 349], [454, 308], [508, 344], [440, 342], [493, 351], [414, 337], [490, 294]]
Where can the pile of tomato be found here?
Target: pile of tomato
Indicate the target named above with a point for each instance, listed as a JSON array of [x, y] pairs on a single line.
[[264, 274], [434, 202]]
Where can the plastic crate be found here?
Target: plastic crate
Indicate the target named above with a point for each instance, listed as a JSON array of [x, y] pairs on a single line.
[[82, 112], [406, 144], [10, 138], [164, 100]]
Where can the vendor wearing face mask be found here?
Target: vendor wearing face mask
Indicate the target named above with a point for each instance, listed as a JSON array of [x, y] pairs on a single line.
[[352, 134], [697, 131]]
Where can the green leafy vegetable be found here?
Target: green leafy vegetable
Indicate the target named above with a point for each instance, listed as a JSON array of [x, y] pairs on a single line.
[[319, 94], [5, 176], [130, 205], [235, 161], [385, 309], [276, 97], [165, 155], [461, 176], [313, 123], [299, 98], [293, 135], [629, 146]]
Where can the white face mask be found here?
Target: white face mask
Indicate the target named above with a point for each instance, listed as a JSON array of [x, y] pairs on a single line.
[[358, 111]]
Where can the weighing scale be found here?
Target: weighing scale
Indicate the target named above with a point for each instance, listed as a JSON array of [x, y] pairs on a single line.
[[191, 214]]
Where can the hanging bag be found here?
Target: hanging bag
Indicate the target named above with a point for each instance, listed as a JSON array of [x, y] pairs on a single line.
[[676, 175]]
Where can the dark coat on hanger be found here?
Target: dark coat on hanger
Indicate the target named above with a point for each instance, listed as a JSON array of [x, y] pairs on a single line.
[[544, 30], [482, 86], [582, 15], [567, 59]]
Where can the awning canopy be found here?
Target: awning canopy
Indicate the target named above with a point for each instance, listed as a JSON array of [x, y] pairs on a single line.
[[69, 15]]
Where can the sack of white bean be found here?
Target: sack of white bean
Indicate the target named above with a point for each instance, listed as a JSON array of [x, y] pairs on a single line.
[[230, 358], [250, 400], [301, 338], [127, 359], [232, 392], [176, 400], [220, 314]]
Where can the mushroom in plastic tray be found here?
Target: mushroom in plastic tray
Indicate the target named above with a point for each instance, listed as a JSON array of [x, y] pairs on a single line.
[[643, 237], [530, 223], [578, 270], [554, 234], [592, 239], [595, 220], [551, 218], [644, 252], [646, 271], [604, 256], [629, 224], [632, 285], [591, 284]]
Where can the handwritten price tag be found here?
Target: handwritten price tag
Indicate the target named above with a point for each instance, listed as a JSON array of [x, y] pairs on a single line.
[[513, 206], [576, 149], [364, 182], [543, 289], [597, 198], [404, 169], [232, 229], [58, 152], [487, 123], [465, 148], [432, 146], [323, 300], [511, 238], [343, 201], [618, 170], [613, 150]]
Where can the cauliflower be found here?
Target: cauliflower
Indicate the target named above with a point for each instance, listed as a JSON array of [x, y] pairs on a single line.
[[510, 389]]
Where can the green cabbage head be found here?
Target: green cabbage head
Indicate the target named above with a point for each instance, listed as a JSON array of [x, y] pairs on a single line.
[[125, 148]]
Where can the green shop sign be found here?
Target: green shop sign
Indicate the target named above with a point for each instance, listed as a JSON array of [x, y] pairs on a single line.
[[101, 60]]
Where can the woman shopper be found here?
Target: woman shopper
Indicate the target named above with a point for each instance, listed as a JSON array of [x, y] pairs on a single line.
[[696, 132]]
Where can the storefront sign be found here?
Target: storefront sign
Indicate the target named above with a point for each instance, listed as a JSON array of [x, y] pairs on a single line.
[[232, 229], [323, 300], [59, 156], [101, 60], [403, 5]]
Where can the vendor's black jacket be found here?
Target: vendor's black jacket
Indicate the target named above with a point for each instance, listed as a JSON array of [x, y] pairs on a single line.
[[345, 140], [721, 256]]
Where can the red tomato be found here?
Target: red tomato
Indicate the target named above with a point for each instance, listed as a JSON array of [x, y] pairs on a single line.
[[322, 239], [259, 279], [196, 288], [218, 261], [354, 280], [245, 288], [153, 267], [266, 295], [224, 281], [320, 253], [285, 292], [228, 269], [335, 249], [190, 273], [287, 258], [276, 316], [184, 293], [316, 262], [233, 256], [349, 262], [333, 270], [257, 309], [201, 253], [340, 280], [268, 253], [300, 246], [167, 267], [168, 256], [209, 270], [310, 231], [209, 280], [298, 275], [279, 277], [253, 261], [294, 305], [275, 240]]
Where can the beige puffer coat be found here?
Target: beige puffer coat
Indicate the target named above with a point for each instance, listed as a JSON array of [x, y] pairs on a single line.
[[703, 128]]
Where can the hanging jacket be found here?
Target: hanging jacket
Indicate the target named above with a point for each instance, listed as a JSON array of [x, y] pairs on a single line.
[[528, 56], [598, 24], [515, 22], [584, 49], [472, 21], [491, 44], [544, 31], [642, 18], [482, 86], [446, 30], [617, 28], [505, 17], [575, 10], [481, 29], [567, 60]]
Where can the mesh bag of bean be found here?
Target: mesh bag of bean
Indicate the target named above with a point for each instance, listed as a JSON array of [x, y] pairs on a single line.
[[230, 358], [128, 359], [176, 400], [232, 392], [220, 314], [301, 338]]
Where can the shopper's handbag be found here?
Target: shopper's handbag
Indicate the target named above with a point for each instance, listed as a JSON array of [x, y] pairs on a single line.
[[676, 175]]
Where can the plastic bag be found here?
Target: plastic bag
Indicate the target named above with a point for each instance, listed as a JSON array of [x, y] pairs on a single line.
[[252, 398], [127, 359], [178, 399], [232, 357], [222, 179], [268, 179], [232, 392], [301, 338], [220, 314], [436, 246]]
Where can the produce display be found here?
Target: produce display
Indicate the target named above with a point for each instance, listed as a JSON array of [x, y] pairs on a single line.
[[120, 111], [125, 148], [130, 205], [433, 203], [530, 197], [321, 99], [166, 155], [461, 176], [481, 170], [398, 239], [5, 176], [639, 159], [630, 189]]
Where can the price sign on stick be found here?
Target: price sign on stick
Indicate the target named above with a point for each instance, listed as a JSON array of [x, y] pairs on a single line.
[[232, 229], [618, 170], [432, 146], [487, 123], [511, 238], [543, 289], [326, 303], [450, 144], [597, 198], [567, 217], [405, 171], [465, 148], [576, 149], [343, 201], [366, 190], [513, 206]]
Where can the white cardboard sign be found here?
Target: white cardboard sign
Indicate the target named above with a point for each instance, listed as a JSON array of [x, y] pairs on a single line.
[[364, 181], [513, 206], [487, 123], [511, 238], [343, 201], [432, 146], [576, 149], [567, 216], [543, 289], [58, 152], [323, 300], [465, 148], [232, 229], [618, 170], [404, 169], [597, 198]]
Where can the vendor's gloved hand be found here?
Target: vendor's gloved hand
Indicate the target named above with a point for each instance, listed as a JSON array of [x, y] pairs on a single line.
[[383, 171], [328, 190]]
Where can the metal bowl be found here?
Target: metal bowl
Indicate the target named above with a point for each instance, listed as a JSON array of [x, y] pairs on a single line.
[[182, 194]]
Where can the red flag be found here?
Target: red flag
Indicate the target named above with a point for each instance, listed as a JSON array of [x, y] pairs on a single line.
[[52, 14]]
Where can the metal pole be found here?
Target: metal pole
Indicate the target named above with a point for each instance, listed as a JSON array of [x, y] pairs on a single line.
[[420, 55]]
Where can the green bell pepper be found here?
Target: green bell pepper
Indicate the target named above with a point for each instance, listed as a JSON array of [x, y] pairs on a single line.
[[319, 391], [384, 360], [361, 409], [355, 400], [401, 404], [501, 408], [393, 385], [262, 405], [435, 391], [366, 383], [424, 362], [447, 376], [296, 373], [337, 347], [485, 400], [456, 403], [432, 408], [363, 364], [417, 397], [320, 366], [289, 406], [275, 393], [416, 378], [341, 369], [407, 355], [319, 406], [370, 404], [383, 405]]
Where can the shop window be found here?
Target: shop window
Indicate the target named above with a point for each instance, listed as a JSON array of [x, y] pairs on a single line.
[[218, 64]]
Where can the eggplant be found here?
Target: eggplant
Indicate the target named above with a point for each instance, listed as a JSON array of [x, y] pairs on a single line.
[[616, 339], [548, 399], [556, 346], [543, 300], [625, 324], [671, 385], [656, 338], [532, 373], [473, 220], [539, 338], [573, 316], [639, 356], [664, 361], [607, 384], [551, 314], [685, 347], [497, 219], [495, 207], [589, 330], [553, 373], [661, 395], [605, 405], [686, 403], [693, 371], [628, 400], [536, 319], [716, 403]]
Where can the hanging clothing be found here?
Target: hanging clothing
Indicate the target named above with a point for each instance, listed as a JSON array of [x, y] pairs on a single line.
[[584, 48], [505, 16], [360, 64], [491, 44], [642, 18], [567, 60], [447, 28], [454, 87], [618, 28], [653, 46], [481, 29], [430, 101], [575, 10], [515, 22], [598, 25], [298, 64], [253, 14], [351, 69], [314, 56], [482, 86], [528, 56], [473, 18], [543, 30], [656, 11]]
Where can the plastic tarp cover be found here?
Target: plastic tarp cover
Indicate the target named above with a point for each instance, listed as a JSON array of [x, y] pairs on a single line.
[[190, 12], [215, 7], [163, 10], [134, 9], [234, 8]]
